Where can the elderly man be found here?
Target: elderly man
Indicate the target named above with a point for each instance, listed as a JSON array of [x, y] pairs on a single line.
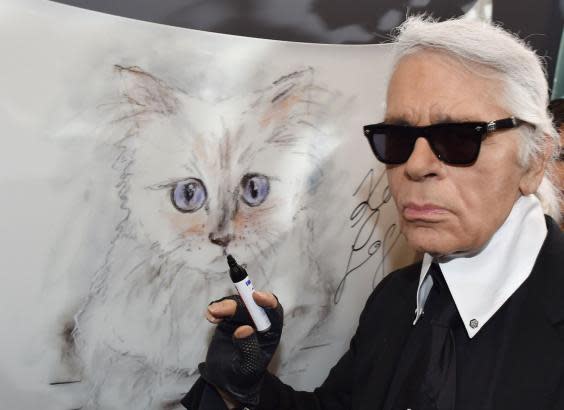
[[479, 323]]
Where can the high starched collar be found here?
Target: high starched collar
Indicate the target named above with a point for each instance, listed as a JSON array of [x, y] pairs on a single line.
[[482, 282]]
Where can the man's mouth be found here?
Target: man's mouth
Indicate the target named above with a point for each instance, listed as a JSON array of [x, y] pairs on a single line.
[[413, 211]]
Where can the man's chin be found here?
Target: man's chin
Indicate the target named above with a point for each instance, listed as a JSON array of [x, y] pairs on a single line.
[[431, 241]]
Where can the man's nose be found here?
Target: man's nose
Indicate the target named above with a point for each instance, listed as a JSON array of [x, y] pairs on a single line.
[[423, 163]]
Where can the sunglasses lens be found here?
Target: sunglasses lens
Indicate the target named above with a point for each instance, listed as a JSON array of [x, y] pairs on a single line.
[[457, 144], [392, 144]]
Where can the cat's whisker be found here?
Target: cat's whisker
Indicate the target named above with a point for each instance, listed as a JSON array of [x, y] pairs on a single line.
[[275, 237], [175, 248], [257, 256], [265, 252]]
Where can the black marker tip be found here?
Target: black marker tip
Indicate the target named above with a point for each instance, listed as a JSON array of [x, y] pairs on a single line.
[[231, 261], [236, 272]]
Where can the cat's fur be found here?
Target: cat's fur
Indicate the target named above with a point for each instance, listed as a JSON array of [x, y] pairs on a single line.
[[140, 332]]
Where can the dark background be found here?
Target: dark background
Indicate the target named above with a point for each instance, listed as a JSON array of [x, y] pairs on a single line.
[[539, 22]]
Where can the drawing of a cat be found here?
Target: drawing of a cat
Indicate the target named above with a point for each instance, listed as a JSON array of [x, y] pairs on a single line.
[[198, 179]]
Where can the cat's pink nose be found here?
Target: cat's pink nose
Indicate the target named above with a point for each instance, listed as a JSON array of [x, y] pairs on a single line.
[[221, 240]]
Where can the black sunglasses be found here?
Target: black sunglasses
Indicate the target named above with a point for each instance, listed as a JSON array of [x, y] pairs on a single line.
[[452, 143]]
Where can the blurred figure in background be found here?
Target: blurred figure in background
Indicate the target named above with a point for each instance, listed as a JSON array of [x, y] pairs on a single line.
[[557, 109]]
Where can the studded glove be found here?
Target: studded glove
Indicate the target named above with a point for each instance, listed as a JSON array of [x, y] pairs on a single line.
[[237, 366]]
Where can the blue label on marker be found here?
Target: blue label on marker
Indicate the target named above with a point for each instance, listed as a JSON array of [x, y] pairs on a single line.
[[248, 282]]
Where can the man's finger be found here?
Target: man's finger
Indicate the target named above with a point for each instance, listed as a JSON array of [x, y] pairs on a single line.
[[265, 299], [243, 331], [221, 309], [211, 318]]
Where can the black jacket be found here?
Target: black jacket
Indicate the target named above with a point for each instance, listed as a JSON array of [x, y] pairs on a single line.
[[532, 372]]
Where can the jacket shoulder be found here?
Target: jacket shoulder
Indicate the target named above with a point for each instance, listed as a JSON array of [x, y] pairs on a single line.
[[399, 279], [399, 286], [553, 246]]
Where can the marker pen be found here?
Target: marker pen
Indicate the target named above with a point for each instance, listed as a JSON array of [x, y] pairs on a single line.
[[245, 288]]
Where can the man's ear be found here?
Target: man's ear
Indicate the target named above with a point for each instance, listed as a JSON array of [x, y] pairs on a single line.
[[145, 93], [532, 178]]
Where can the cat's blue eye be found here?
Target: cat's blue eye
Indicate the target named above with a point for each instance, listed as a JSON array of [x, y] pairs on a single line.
[[255, 189], [189, 195]]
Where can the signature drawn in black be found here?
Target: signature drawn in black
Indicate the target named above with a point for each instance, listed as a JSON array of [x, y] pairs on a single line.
[[365, 218]]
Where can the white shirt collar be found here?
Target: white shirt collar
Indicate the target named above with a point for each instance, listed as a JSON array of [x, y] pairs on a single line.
[[481, 283]]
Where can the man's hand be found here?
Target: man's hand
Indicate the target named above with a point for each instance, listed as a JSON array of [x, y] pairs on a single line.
[[238, 355]]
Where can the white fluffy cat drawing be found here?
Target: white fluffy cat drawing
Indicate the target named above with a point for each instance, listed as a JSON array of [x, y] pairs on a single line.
[[197, 179]]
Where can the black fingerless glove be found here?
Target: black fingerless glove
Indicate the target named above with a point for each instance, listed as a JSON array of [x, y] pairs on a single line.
[[237, 366]]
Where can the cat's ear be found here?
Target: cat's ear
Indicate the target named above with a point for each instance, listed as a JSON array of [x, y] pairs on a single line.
[[288, 94], [146, 93]]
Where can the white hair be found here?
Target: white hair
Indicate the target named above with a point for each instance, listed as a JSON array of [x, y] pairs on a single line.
[[519, 69]]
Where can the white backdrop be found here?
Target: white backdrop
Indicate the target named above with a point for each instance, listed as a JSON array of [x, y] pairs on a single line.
[[133, 157]]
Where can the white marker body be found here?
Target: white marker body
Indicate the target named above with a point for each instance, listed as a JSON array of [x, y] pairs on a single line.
[[246, 289]]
